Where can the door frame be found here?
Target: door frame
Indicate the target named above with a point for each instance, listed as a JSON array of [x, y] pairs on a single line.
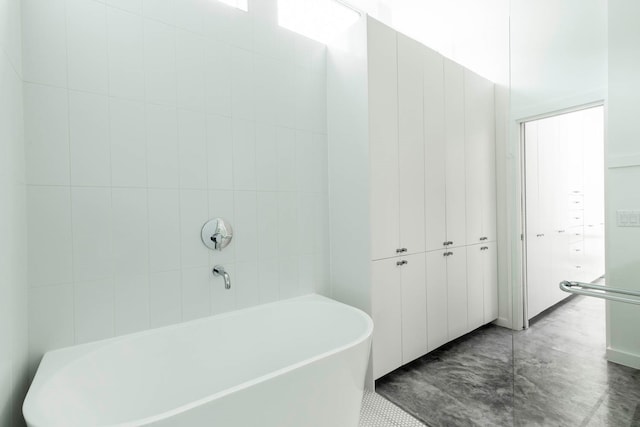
[[521, 316]]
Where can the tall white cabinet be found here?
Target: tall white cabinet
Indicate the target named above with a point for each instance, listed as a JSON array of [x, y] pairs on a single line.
[[413, 197], [564, 189]]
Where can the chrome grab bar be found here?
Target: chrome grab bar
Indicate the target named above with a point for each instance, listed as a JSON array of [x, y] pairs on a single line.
[[600, 291]]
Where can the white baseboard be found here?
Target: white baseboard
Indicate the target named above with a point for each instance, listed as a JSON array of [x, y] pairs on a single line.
[[623, 358]]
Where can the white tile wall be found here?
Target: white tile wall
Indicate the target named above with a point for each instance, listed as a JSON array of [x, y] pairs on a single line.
[[146, 118], [13, 223]]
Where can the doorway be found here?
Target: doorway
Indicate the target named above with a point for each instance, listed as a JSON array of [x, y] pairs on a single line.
[[563, 204]]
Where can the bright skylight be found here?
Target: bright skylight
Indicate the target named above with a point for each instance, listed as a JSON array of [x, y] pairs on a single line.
[[320, 20], [239, 4]]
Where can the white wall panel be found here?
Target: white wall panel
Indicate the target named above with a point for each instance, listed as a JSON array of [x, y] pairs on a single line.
[[163, 133]]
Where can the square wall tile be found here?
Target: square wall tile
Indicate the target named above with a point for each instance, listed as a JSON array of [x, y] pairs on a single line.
[[287, 179], [320, 164], [190, 59], [11, 40], [269, 280], [246, 231], [308, 221], [164, 230], [194, 212], [89, 139], [218, 71], [130, 231], [266, 94], [229, 25], [246, 284], [131, 304], [49, 247], [44, 42], [51, 320], [126, 55], [219, 150], [285, 102], [192, 137], [92, 233], [165, 299], [163, 167], [46, 125], [188, 15], [242, 84], [266, 157], [127, 143], [196, 293], [159, 10], [244, 155], [160, 62], [304, 160], [288, 220], [289, 278], [133, 6], [268, 231], [93, 310], [87, 45]]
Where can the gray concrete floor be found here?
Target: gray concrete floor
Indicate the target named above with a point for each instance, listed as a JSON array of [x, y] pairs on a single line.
[[553, 374]]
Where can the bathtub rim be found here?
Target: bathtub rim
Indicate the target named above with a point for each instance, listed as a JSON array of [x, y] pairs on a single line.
[[55, 359]]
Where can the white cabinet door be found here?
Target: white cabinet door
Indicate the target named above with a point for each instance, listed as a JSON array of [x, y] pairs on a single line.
[[414, 307], [490, 272], [479, 120], [457, 303], [383, 140], [386, 308], [547, 137], [455, 158], [411, 145], [437, 318], [488, 159], [475, 285], [435, 153]]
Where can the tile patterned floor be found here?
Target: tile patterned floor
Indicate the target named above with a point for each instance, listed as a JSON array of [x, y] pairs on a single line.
[[379, 412], [553, 374]]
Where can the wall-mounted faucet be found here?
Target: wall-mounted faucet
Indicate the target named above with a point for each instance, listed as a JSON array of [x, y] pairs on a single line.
[[218, 270], [217, 234]]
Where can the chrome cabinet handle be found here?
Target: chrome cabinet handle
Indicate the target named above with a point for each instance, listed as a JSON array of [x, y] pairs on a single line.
[[482, 239], [539, 235], [403, 262], [447, 243], [401, 250], [484, 248], [448, 253], [561, 231]]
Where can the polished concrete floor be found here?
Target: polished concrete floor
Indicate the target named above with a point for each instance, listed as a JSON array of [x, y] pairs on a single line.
[[552, 374]]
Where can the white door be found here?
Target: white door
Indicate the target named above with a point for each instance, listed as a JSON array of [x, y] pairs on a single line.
[[479, 119], [473, 128], [383, 140], [411, 145], [475, 285], [435, 154], [490, 273], [455, 156], [414, 307], [386, 308], [457, 302], [437, 318], [535, 246]]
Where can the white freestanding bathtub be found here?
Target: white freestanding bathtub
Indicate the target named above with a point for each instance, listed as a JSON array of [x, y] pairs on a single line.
[[295, 363]]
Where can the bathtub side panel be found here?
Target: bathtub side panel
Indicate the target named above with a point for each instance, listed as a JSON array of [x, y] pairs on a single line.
[[327, 392]]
